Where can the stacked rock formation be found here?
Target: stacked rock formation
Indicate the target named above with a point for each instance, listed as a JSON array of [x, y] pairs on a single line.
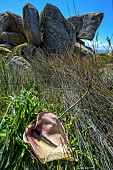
[[49, 31]]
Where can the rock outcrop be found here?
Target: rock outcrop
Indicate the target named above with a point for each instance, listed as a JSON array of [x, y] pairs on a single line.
[[86, 24], [31, 24], [58, 35], [12, 38], [11, 29], [18, 62], [6, 45], [30, 52], [49, 31], [82, 50], [19, 69], [11, 22]]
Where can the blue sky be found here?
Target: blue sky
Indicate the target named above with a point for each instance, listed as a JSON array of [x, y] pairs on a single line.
[[81, 6]]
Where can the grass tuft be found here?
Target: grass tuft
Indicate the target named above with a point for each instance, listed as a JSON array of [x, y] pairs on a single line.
[[78, 91]]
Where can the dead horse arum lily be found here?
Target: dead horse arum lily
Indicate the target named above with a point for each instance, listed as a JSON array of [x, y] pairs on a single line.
[[48, 139]]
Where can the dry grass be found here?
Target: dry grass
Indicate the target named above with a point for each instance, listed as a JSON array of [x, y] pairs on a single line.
[[89, 124], [71, 77]]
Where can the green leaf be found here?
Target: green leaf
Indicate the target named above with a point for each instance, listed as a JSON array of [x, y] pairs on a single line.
[[2, 133]]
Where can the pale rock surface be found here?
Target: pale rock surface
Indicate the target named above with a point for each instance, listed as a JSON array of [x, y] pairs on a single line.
[[4, 50], [83, 51]]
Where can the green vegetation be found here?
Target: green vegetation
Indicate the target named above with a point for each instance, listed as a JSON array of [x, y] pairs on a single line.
[[54, 86]]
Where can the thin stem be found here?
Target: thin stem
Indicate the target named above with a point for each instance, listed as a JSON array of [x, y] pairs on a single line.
[[74, 104]]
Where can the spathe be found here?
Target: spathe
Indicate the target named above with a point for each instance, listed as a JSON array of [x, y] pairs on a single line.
[[48, 139]]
